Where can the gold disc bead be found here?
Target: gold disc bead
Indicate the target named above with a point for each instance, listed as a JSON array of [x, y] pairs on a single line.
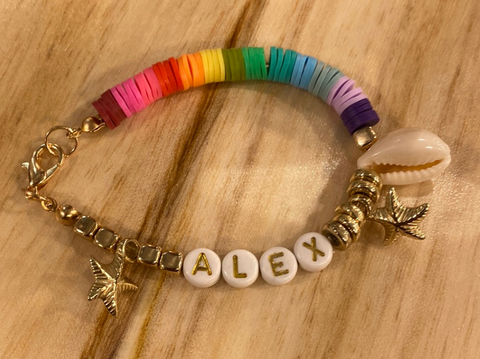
[[349, 224], [351, 210], [363, 187], [337, 234], [368, 176], [363, 202], [66, 215]]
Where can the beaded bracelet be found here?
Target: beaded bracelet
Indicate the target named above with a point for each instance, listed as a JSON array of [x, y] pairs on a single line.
[[405, 156]]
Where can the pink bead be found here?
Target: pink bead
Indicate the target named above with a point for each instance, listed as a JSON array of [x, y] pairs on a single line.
[[335, 89], [125, 98], [144, 88], [153, 82], [121, 101], [134, 95]]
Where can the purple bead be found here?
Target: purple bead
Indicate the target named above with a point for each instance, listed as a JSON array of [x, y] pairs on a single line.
[[364, 119], [350, 112]]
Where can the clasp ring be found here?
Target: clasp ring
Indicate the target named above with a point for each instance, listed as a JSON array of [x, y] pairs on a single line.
[[71, 134]]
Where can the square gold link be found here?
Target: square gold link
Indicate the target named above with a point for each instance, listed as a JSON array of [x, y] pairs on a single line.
[[106, 238], [149, 255], [365, 137], [171, 261], [86, 227]]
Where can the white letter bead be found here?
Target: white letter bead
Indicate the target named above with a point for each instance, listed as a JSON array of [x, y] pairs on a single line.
[[313, 251], [240, 268], [278, 266], [202, 267]]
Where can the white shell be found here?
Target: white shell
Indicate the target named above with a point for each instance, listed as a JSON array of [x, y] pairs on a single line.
[[407, 156]]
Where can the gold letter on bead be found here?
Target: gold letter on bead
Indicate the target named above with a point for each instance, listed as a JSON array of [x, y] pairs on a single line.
[[275, 265], [314, 249], [206, 267], [235, 269]]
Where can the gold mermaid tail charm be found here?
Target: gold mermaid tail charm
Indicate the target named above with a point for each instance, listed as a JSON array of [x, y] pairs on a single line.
[[398, 219], [109, 281]]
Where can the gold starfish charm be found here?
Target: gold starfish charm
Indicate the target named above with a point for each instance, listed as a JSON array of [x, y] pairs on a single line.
[[398, 219], [109, 281]]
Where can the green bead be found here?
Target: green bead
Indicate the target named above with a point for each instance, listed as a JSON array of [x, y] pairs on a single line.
[[263, 66], [273, 63], [278, 68], [248, 64], [228, 66], [234, 65], [288, 65], [253, 63], [241, 64]]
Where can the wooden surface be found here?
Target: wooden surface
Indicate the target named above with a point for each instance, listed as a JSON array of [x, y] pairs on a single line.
[[246, 165]]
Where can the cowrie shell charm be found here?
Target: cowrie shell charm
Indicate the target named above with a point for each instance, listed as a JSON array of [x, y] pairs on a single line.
[[407, 156]]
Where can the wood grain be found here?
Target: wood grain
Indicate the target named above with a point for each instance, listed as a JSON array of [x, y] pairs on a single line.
[[247, 165]]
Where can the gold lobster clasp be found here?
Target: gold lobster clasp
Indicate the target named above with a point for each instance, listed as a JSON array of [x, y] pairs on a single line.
[[37, 175]]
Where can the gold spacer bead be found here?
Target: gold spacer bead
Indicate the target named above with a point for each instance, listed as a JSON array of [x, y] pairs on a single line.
[[66, 215], [350, 225], [367, 175], [351, 210], [363, 202], [338, 235], [365, 137], [363, 187]]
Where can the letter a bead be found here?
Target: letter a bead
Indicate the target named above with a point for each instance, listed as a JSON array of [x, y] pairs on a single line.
[[313, 251], [278, 266], [240, 268], [202, 267]]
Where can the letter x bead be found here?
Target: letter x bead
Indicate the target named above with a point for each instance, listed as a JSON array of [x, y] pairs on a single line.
[[313, 251]]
